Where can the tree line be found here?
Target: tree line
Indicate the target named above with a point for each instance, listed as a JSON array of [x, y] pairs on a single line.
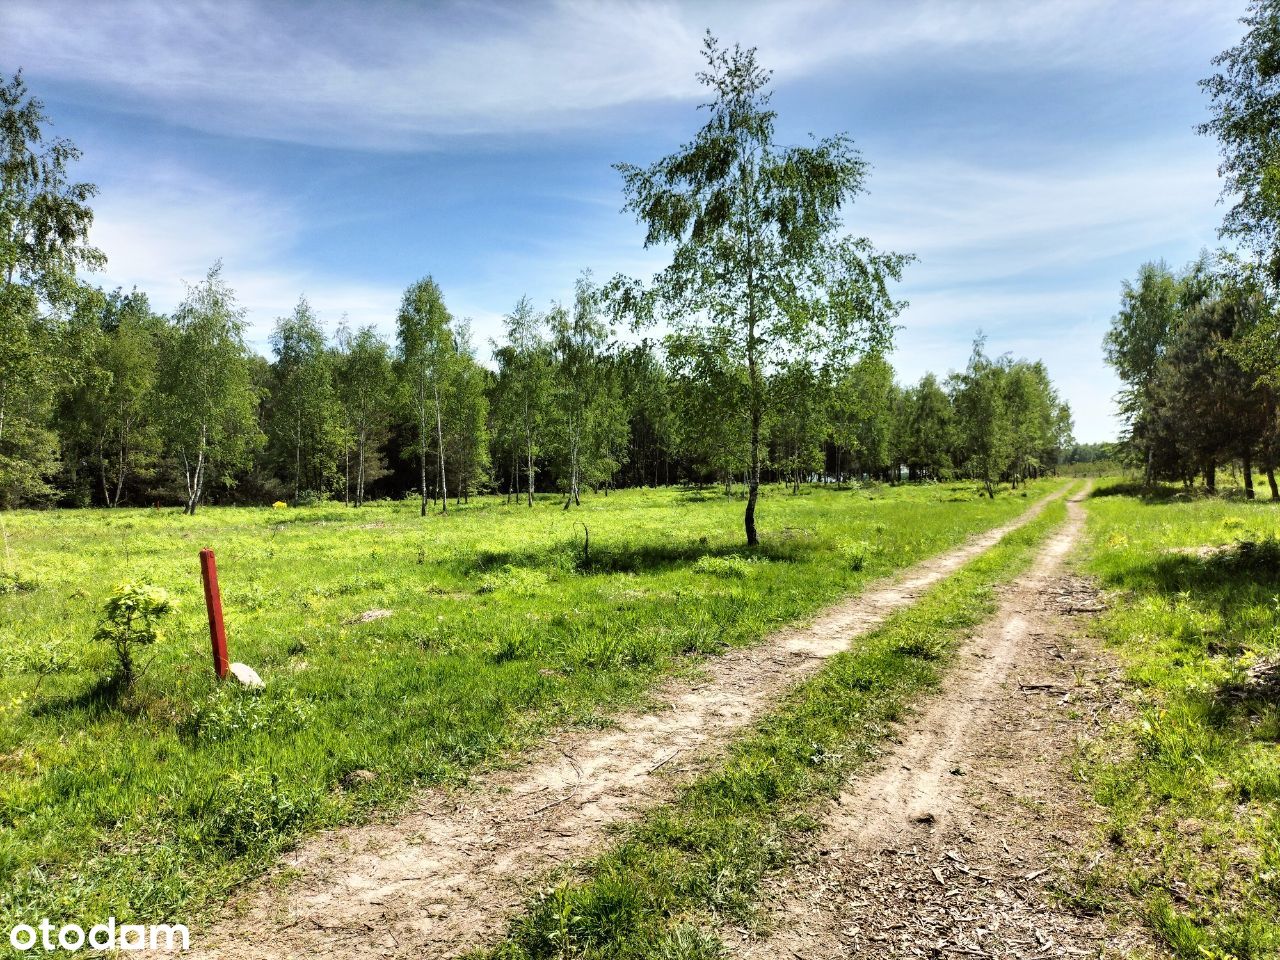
[[1198, 348], [179, 409], [758, 354]]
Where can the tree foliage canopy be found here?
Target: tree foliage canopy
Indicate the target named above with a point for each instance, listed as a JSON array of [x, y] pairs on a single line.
[[761, 267]]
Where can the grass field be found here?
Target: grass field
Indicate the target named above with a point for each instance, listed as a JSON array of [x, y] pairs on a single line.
[[150, 804], [1192, 788]]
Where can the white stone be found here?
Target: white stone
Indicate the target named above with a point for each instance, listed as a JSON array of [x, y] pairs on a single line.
[[369, 616], [246, 676]]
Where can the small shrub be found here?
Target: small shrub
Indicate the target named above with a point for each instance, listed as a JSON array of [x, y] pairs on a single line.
[[1262, 555], [855, 555], [15, 583], [254, 807], [131, 618], [231, 712], [731, 567]]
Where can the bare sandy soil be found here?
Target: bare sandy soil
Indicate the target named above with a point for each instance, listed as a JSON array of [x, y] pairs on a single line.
[[444, 878], [954, 843]]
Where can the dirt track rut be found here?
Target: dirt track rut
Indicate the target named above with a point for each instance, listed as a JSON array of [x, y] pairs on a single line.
[[443, 879], [950, 845]]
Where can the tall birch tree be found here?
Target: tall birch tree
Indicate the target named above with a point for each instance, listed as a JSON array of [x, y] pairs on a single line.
[[365, 392], [209, 403], [110, 411], [982, 422], [588, 420], [425, 353], [466, 431], [524, 384], [304, 424], [758, 249]]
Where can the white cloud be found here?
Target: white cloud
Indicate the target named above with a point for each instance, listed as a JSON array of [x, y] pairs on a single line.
[[1034, 255], [1015, 221], [163, 228], [400, 75]]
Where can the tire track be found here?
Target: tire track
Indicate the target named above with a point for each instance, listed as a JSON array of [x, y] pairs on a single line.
[[443, 879], [945, 848]]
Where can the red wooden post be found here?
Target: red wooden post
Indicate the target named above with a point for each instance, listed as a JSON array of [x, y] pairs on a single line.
[[213, 600]]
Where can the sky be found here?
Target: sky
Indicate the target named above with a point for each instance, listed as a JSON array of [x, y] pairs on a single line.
[[1031, 155]]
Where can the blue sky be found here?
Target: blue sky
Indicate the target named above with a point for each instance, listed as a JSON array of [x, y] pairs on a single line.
[[1032, 155]]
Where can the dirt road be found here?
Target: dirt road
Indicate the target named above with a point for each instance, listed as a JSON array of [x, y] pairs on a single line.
[[445, 877], [948, 847]]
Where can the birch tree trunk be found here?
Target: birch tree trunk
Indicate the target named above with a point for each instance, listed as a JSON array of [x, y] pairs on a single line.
[[360, 442], [444, 484], [530, 469], [195, 478], [422, 452], [297, 458], [753, 373], [122, 461], [102, 470]]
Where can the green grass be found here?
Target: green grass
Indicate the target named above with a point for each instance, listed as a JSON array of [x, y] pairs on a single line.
[[150, 805], [702, 857], [1192, 786]]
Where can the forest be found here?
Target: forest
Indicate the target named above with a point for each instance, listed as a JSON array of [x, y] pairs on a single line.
[[106, 402], [1197, 350]]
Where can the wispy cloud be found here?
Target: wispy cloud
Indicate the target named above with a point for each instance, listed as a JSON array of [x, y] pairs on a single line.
[[1034, 217], [389, 75], [1000, 250], [1033, 255], [164, 227]]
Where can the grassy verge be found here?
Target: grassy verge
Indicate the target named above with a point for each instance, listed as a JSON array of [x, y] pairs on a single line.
[[1192, 786], [705, 853], [150, 803]]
